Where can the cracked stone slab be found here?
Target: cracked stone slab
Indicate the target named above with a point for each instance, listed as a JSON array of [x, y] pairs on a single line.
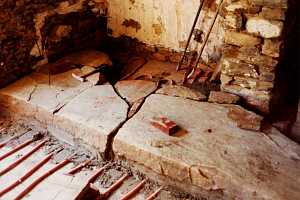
[[181, 91], [134, 90], [93, 115], [36, 94], [156, 70], [214, 154]]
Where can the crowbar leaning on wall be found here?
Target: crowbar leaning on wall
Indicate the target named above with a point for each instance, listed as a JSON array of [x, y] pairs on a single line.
[[206, 38], [190, 35]]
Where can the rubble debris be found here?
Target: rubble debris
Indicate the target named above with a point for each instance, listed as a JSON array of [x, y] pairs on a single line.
[[165, 125], [223, 97], [245, 119]]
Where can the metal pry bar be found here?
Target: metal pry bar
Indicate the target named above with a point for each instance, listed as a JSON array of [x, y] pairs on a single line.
[[191, 34], [208, 34]]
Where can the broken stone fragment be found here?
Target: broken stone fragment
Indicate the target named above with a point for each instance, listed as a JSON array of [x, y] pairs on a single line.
[[165, 125], [223, 98], [271, 48], [273, 13], [240, 39], [264, 27], [181, 91], [245, 119]]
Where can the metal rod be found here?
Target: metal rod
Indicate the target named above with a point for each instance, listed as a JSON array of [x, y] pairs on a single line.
[[21, 159], [115, 186], [13, 138], [208, 33], [41, 178], [16, 149], [154, 194], [78, 167], [96, 174], [26, 175], [191, 34], [134, 191]]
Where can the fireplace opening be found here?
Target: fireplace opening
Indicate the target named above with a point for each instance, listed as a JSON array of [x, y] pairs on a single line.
[[148, 99]]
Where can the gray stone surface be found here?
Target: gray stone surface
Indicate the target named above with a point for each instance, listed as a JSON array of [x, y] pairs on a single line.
[[135, 90], [181, 91], [37, 92], [214, 154], [93, 115], [223, 97]]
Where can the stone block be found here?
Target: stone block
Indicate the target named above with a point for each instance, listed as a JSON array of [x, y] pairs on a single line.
[[260, 100], [240, 6], [251, 57], [270, 3], [214, 154], [271, 48], [264, 27], [241, 39], [267, 76], [235, 67], [233, 21], [245, 119], [273, 13], [181, 91], [223, 98]]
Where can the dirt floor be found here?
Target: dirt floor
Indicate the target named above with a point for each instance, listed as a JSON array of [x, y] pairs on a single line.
[[18, 132]]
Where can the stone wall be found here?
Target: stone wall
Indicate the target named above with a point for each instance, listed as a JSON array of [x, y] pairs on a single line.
[[165, 24], [253, 50], [26, 26]]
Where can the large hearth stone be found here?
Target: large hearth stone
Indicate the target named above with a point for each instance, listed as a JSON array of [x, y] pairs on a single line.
[[213, 154]]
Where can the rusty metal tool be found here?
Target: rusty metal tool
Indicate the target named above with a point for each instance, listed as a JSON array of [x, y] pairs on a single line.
[[22, 158], [134, 191], [208, 34], [190, 35], [26, 175], [78, 168]]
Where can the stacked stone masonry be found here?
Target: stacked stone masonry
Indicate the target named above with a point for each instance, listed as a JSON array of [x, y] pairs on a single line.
[[253, 41]]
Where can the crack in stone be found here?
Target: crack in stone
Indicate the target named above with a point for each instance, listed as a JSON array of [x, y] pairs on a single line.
[[32, 92], [60, 107], [109, 153]]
